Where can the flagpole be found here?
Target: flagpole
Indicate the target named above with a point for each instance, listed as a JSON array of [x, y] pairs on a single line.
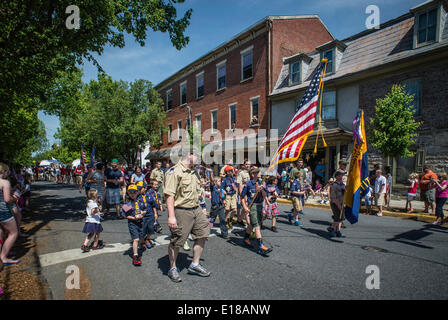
[[321, 88]]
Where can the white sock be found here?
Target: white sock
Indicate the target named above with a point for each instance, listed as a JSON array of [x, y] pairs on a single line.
[[194, 265]]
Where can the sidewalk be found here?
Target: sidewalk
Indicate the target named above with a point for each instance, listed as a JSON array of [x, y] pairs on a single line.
[[396, 209]]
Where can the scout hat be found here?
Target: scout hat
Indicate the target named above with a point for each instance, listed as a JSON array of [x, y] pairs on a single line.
[[132, 187]]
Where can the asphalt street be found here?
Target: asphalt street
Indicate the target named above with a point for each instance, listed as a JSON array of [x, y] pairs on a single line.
[[412, 258]]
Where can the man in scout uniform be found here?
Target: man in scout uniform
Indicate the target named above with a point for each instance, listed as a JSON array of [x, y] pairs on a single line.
[[157, 174], [253, 191], [242, 178], [184, 213]]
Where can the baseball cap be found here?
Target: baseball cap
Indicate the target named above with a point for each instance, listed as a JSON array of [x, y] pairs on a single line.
[[132, 187], [228, 168]]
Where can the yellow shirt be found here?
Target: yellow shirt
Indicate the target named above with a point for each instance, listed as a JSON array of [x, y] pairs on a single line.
[[184, 185]]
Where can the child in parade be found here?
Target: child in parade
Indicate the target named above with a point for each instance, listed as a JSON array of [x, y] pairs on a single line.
[[149, 215], [337, 192], [296, 192], [217, 209], [412, 190], [252, 198], [229, 185], [272, 193], [156, 196], [92, 226], [202, 197], [133, 210]]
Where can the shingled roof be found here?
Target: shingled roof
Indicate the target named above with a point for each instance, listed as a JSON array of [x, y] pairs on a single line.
[[367, 50]]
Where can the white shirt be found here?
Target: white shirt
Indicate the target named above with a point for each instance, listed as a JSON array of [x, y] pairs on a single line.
[[95, 218], [379, 181]]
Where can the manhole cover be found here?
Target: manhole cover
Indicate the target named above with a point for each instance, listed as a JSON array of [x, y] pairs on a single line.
[[374, 249]]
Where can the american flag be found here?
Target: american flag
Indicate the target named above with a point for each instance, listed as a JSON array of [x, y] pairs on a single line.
[[83, 157], [301, 124]]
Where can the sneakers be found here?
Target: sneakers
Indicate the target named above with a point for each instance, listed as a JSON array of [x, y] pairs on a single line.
[[274, 229], [297, 223], [198, 270], [149, 244], [338, 234], [247, 242], [85, 248], [186, 246], [137, 261], [173, 274], [290, 218], [263, 250]]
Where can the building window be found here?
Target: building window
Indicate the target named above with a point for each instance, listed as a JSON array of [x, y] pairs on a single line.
[[220, 76], [183, 93], [232, 116], [294, 73], [169, 100], [329, 54], [199, 123], [254, 111], [214, 120], [179, 129], [246, 64], [200, 85], [170, 131], [427, 26], [329, 105], [414, 87]]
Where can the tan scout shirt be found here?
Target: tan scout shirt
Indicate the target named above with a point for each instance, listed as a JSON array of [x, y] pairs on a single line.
[[243, 177], [184, 185], [157, 174]]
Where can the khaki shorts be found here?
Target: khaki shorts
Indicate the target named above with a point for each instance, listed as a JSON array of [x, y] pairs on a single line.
[[256, 214], [379, 199], [78, 180], [230, 202], [297, 204], [189, 221]]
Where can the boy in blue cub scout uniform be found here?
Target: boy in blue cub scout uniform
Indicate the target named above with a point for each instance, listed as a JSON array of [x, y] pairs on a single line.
[[296, 192], [148, 217], [255, 211], [230, 186], [158, 201], [217, 208], [133, 210]]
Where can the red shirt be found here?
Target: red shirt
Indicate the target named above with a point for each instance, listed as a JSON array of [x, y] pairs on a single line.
[[62, 170], [78, 171]]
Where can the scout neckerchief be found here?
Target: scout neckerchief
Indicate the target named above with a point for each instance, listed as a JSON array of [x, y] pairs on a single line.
[[137, 207], [157, 198]]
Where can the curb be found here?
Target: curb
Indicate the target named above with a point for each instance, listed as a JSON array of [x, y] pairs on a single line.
[[410, 216]]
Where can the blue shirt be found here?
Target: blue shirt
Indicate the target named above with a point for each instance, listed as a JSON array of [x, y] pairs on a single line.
[[249, 190], [296, 186], [273, 189], [84, 177], [226, 185], [147, 202], [112, 174], [216, 196], [320, 167], [155, 196]]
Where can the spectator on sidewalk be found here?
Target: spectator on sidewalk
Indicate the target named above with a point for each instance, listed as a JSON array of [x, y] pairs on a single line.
[[113, 180], [427, 189], [372, 173], [412, 190], [380, 191], [441, 196], [388, 176]]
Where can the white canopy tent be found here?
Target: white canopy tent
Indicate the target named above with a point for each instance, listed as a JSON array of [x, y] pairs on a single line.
[[76, 162]]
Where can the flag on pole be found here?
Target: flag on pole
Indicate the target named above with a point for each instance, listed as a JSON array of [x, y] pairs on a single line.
[[301, 124], [83, 157], [358, 175], [92, 157]]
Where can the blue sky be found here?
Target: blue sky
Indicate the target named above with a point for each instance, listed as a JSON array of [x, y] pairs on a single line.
[[214, 22]]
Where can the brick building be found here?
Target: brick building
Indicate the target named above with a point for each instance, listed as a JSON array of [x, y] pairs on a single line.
[[411, 50], [229, 86]]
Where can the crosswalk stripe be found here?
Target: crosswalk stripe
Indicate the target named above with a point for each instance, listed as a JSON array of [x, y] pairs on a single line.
[[53, 258]]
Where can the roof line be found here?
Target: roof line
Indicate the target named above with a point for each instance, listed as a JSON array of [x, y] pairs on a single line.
[[256, 24]]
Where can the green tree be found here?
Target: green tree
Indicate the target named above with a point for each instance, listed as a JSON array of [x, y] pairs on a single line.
[[35, 44], [394, 129], [116, 117]]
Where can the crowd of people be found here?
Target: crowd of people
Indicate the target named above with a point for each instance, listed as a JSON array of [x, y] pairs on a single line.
[[238, 195]]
